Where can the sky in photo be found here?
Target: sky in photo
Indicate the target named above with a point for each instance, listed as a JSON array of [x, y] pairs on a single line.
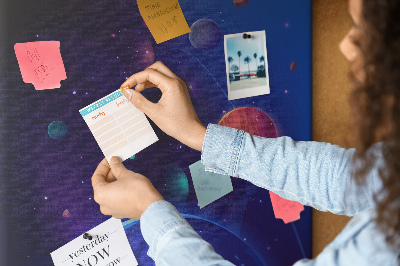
[[248, 47]]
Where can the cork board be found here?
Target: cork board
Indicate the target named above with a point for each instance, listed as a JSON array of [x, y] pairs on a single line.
[[331, 89]]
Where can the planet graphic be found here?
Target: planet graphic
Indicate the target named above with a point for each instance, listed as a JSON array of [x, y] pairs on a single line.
[[251, 120], [237, 251], [176, 185], [57, 130], [205, 34]]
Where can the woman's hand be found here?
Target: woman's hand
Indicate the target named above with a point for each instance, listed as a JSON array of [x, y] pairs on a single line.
[[173, 113], [127, 197]]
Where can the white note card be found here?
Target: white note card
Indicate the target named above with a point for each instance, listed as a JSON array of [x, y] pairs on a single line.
[[108, 247], [118, 126]]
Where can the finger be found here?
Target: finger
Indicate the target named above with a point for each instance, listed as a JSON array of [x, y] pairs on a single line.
[[110, 177], [100, 174], [142, 86], [117, 167], [140, 102], [105, 210], [159, 80], [160, 67]]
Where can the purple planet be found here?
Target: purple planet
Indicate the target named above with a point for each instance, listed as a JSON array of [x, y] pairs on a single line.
[[205, 34]]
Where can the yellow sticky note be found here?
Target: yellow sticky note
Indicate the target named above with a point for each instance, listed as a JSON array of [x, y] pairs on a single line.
[[164, 18]]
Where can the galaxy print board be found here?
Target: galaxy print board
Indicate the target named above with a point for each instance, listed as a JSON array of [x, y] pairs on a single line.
[[48, 153]]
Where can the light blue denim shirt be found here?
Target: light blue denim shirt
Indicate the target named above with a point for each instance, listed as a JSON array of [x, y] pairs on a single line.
[[315, 174]]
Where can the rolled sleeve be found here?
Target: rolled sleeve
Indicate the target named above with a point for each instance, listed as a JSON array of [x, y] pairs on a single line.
[[224, 141]]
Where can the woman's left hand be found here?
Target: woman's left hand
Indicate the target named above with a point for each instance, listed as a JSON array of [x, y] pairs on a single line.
[[127, 197]]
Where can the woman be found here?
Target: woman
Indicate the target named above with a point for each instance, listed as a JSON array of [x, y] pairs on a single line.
[[362, 182]]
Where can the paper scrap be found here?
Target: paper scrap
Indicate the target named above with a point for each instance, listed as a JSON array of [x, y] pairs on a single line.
[[209, 186], [238, 3], [109, 246], [164, 18], [41, 64], [287, 210], [293, 66], [118, 126]]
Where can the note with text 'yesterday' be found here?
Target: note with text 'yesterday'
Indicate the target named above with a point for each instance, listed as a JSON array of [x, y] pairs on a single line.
[[108, 246]]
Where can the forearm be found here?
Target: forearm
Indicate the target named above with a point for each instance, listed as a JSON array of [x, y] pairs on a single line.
[[172, 241], [312, 173]]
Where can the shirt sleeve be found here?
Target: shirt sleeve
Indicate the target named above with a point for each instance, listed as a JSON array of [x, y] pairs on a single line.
[[313, 173], [359, 243], [172, 241]]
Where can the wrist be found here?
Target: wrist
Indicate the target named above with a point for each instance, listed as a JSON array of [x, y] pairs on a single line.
[[148, 203], [196, 137]]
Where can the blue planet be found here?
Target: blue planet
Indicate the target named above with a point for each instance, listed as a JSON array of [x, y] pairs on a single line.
[[57, 130], [176, 185], [205, 34], [226, 243]]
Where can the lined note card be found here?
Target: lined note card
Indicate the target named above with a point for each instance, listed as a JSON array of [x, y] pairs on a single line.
[[118, 126]]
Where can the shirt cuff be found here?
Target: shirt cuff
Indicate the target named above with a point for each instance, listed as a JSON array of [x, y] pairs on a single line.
[[221, 149], [158, 219]]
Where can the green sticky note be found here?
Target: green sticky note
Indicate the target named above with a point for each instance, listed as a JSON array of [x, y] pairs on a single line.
[[209, 186]]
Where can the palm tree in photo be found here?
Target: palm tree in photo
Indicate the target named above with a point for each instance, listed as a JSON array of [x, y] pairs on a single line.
[[262, 59], [255, 57], [247, 59], [239, 54], [230, 59]]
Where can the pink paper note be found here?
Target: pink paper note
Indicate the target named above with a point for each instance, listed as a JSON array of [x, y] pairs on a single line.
[[288, 211], [41, 64]]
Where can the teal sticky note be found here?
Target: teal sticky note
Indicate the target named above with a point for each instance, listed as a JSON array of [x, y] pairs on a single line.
[[209, 186]]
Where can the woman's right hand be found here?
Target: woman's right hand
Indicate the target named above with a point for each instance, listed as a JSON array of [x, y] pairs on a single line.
[[173, 113]]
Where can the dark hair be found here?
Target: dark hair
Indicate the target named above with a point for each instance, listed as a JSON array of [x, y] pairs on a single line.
[[379, 43]]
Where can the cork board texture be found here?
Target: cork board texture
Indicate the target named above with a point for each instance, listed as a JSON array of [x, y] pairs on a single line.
[[331, 89]]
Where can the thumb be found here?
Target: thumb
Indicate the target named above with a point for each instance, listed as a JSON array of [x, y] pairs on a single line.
[[138, 100], [117, 167]]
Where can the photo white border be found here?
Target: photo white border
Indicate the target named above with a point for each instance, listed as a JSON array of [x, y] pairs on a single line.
[[247, 92]]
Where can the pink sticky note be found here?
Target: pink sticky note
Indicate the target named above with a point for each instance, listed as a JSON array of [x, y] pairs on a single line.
[[41, 64], [288, 211]]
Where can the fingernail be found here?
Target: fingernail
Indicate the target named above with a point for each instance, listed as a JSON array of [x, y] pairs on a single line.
[[129, 92], [126, 87], [115, 160]]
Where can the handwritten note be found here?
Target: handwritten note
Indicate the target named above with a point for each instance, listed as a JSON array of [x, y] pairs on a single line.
[[41, 64], [118, 126], [164, 18], [209, 186], [109, 246], [288, 211]]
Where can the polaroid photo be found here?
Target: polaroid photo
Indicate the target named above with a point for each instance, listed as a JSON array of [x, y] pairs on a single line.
[[246, 64]]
